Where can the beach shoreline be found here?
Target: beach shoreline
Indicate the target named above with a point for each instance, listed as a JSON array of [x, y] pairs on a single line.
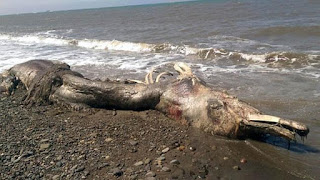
[[51, 142]]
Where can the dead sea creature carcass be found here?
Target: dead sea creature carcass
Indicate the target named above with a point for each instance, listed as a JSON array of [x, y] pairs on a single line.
[[186, 99]]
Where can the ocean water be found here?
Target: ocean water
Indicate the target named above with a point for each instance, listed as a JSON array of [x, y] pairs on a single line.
[[265, 52]]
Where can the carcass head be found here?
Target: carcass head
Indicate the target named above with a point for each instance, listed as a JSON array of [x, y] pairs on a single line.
[[190, 101]]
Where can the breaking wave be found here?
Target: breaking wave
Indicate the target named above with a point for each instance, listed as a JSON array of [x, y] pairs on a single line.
[[273, 59]]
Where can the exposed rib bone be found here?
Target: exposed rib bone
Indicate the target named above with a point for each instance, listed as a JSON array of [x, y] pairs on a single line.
[[150, 76], [183, 69], [161, 74], [146, 79]]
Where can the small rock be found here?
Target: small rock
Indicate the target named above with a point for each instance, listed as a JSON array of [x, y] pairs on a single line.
[[86, 173], [116, 172], [74, 168], [147, 167], [16, 160], [139, 163], [161, 158], [243, 160], [114, 113], [27, 154], [107, 157], [225, 158], [133, 150], [174, 162], [108, 140], [59, 158], [103, 165], [214, 148], [192, 148], [44, 140], [165, 150], [59, 164], [181, 148], [166, 169], [55, 177], [81, 168], [150, 174], [44, 146], [147, 161], [236, 168], [133, 143]]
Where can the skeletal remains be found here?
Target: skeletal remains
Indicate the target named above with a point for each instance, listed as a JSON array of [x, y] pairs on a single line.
[[186, 99]]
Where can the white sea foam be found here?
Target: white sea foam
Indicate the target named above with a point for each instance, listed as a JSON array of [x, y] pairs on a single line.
[[86, 43], [253, 57], [146, 54]]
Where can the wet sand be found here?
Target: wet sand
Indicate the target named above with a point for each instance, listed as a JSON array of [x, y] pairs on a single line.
[[51, 142]]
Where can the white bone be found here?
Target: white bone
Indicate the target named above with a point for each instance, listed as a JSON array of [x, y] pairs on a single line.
[[264, 118], [161, 74]]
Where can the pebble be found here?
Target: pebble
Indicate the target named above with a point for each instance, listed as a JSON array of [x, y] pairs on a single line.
[[59, 164], [44, 146], [133, 143], [81, 168], [165, 150], [150, 174], [225, 158], [192, 148], [174, 162], [116, 172], [59, 158], [161, 158], [114, 113], [243, 160], [44, 140], [74, 167], [166, 169], [147, 161], [108, 140], [139, 163], [147, 167], [236, 168], [181, 148], [86, 173], [27, 154], [103, 165]]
